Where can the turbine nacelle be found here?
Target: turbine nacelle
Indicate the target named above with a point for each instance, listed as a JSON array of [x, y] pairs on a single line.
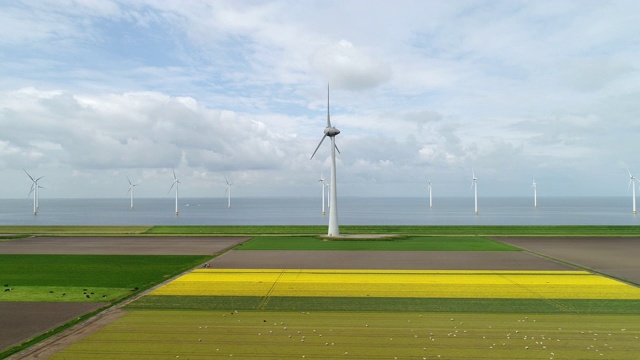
[[331, 131]]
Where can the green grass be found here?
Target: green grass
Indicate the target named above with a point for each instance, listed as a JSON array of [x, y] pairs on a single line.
[[453, 230], [33, 277], [409, 243], [567, 306], [440, 230], [73, 230], [357, 335]]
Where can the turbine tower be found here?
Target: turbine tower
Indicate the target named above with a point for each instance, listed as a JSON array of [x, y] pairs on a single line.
[[632, 184], [35, 190], [474, 185], [228, 192], [175, 183], [130, 191], [535, 193], [430, 200], [331, 132], [322, 185]]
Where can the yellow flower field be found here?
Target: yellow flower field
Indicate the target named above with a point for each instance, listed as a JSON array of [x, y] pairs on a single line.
[[399, 283]]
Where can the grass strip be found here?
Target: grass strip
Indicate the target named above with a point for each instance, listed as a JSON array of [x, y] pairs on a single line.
[[440, 230], [409, 243], [560, 306], [56, 230]]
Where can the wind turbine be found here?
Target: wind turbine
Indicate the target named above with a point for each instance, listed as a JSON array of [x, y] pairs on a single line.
[[331, 132], [632, 184], [130, 191], [35, 190], [228, 192], [430, 202], [535, 193], [474, 185], [322, 185], [175, 183]]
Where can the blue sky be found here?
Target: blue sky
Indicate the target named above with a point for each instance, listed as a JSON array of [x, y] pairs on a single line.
[[93, 92]]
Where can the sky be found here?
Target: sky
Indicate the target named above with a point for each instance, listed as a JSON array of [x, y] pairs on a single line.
[[94, 93]]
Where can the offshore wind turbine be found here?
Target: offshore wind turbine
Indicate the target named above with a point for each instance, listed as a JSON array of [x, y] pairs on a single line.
[[632, 184], [175, 183], [228, 192], [322, 186], [130, 191], [474, 185], [331, 132], [430, 200], [535, 193], [35, 190]]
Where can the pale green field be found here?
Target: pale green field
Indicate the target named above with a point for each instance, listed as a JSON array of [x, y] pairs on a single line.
[[153, 334]]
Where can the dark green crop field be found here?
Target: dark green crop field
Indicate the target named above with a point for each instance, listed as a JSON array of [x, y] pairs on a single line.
[[409, 243], [85, 277]]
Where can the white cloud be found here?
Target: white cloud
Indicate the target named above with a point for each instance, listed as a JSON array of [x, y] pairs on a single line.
[[350, 68]]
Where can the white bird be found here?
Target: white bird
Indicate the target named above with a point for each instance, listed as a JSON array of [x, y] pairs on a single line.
[[331, 132], [228, 192], [322, 185], [632, 184], [175, 183], [474, 185], [130, 191], [35, 189]]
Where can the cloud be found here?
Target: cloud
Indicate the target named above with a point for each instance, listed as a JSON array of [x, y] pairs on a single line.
[[348, 67]]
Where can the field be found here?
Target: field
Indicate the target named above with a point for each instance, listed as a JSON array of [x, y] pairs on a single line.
[[43, 292], [454, 296], [359, 335]]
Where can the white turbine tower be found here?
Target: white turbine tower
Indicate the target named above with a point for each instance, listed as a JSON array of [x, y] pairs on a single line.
[[327, 186], [534, 186], [474, 185], [130, 191], [35, 189], [228, 192], [430, 200], [632, 184], [331, 132], [322, 185], [175, 183]]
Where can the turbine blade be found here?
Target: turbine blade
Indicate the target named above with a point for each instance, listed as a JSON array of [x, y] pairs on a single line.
[[174, 175], [171, 187], [129, 181], [338, 149], [227, 181], [30, 177], [328, 113], [321, 140]]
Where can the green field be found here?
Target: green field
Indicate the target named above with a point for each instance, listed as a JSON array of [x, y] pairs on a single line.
[[48, 277], [408, 243], [149, 334], [546, 306], [488, 230], [453, 230]]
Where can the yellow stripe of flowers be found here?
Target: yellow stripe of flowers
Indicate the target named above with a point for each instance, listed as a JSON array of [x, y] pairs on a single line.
[[393, 283]]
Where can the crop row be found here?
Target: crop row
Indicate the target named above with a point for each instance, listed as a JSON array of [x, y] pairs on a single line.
[[407, 284]]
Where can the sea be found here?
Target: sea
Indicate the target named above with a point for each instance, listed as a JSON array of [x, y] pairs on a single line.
[[308, 211]]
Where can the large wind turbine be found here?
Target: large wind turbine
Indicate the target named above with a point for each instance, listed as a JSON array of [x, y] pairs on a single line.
[[322, 185], [35, 189], [632, 184], [535, 193], [228, 192], [130, 191], [331, 132], [474, 185], [430, 201], [175, 183]]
